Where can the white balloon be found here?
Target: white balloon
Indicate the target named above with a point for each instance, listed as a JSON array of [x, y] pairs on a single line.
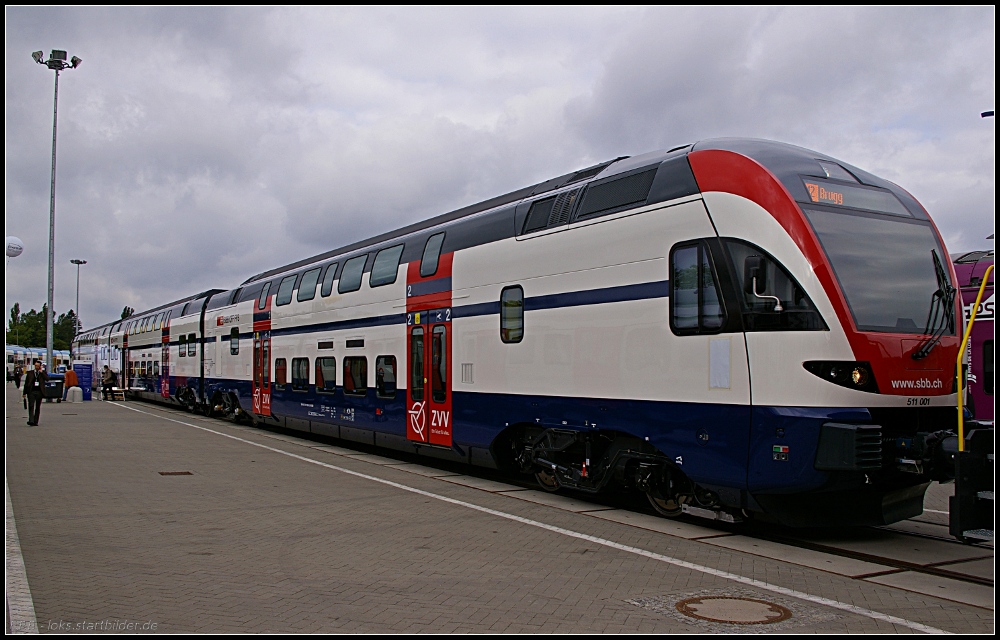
[[14, 246]]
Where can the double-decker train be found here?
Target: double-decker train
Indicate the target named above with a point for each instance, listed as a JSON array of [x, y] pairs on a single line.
[[733, 327]]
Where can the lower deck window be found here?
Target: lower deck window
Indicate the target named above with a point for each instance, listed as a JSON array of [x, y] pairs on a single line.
[[356, 376], [385, 376], [280, 373], [326, 375], [300, 374]]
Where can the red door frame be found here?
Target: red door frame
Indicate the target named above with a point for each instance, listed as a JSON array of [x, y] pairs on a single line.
[[428, 310], [261, 380], [429, 415]]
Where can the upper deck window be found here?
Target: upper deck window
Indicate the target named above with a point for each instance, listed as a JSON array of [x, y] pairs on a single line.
[[350, 279], [285, 291], [432, 251], [327, 289], [307, 288], [386, 266]]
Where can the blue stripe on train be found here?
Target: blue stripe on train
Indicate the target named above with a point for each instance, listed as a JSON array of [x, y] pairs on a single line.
[[715, 444]]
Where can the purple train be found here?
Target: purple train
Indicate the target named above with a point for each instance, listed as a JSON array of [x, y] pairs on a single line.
[[970, 268]]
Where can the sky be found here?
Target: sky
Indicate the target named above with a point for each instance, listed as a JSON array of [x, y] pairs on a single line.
[[199, 146]]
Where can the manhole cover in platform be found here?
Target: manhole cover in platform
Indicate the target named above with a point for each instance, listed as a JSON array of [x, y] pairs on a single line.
[[732, 610]]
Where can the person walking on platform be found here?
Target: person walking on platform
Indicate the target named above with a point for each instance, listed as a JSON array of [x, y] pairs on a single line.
[[108, 382], [18, 372], [34, 391]]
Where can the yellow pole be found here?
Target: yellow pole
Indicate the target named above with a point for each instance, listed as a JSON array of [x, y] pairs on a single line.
[[961, 354]]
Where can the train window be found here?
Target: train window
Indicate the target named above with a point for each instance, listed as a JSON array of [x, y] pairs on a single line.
[[512, 314], [695, 302], [182, 346], [156, 368], [350, 279], [285, 291], [386, 266], [417, 364], [331, 271], [988, 364], [356, 376], [439, 363], [280, 373], [432, 251], [300, 374], [326, 375], [265, 359], [192, 345], [307, 288], [234, 341], [385, 376], [778, 303], [262, 301]]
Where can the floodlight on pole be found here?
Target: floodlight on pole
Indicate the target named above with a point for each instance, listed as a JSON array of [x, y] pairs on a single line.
[[56, 62]]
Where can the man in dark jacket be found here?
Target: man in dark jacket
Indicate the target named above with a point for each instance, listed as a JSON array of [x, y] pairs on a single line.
[[34, 391]]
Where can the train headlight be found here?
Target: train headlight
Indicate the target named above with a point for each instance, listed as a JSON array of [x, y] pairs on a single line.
[[859, 376], [853, 375]]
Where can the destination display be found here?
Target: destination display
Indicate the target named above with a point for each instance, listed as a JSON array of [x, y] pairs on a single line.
[[844, 195]]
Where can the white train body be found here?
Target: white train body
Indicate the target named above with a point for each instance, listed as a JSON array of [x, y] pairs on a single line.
[[693, 323]]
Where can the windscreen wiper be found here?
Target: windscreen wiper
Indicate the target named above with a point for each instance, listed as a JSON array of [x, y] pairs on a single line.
[[941, 316]]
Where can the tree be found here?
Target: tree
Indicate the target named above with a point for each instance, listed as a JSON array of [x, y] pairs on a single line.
[[127, 311], [28, 328], [64, 330]]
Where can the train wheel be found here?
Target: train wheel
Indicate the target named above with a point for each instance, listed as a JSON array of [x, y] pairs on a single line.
[[666, 507], [547, 480]]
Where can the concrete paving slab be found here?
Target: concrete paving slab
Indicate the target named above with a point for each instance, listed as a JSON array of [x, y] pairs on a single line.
[[676, 528], [369, 457], [558, 501], [421, 470], [802, 557], [920, 527], [329, 448], [979, 568], [913, 549], [483, 483], [945, 588]]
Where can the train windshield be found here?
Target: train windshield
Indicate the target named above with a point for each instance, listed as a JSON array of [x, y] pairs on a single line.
[[885, 265]]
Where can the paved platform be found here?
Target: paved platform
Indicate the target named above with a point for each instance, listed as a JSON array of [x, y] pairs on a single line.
[[129, 514]]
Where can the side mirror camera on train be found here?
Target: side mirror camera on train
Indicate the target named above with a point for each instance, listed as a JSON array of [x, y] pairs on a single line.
[[755, 279]]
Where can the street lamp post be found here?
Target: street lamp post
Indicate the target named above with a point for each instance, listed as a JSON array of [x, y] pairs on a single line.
[[76, 322], [56, 62]]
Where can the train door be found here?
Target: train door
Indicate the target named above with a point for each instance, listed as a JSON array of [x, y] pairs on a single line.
[[165, 360], [429, 416], [262, 372], [262, 355]]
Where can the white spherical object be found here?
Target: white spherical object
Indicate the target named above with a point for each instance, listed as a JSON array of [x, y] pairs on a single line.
[[14, 246]]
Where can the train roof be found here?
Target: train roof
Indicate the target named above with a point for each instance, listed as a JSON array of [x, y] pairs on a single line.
[[140, 314], [787, 162]]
